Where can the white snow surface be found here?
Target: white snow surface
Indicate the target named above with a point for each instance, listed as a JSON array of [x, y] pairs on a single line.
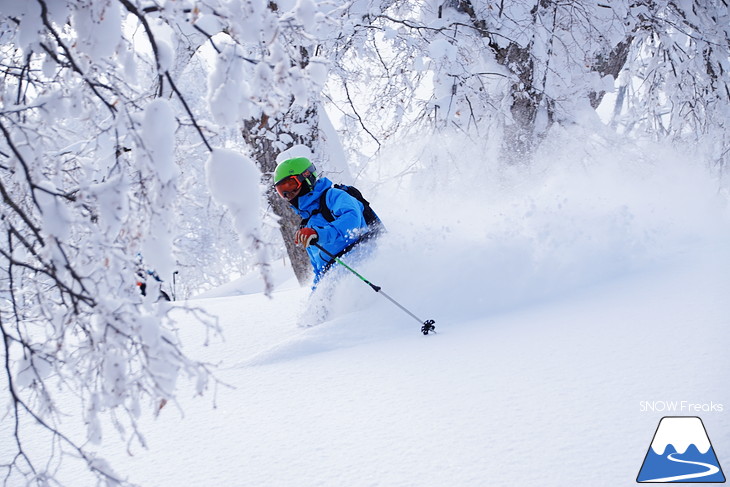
[[562, 300], [544, 394]]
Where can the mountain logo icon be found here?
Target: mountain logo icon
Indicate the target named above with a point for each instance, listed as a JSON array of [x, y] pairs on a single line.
[[680, 452]]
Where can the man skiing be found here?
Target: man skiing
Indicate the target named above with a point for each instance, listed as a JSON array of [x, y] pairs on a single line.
[[332, 217]]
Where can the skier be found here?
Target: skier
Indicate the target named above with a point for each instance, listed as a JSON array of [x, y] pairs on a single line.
[[142, 274], [336, 218]]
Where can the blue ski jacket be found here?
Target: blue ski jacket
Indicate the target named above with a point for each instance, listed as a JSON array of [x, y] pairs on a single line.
[[347, 228]]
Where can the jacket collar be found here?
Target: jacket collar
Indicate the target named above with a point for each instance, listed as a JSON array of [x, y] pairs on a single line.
[[308, 204]]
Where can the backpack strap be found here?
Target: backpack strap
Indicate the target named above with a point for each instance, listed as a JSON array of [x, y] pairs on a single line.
[[323, 208], [371, 219]]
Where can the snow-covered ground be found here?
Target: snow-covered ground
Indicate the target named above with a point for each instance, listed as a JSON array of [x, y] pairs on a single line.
[[547, 394], [561, 315], [567, 302]]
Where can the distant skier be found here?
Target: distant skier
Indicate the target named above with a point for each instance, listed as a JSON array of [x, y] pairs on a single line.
[[143, 273], [336, 217]]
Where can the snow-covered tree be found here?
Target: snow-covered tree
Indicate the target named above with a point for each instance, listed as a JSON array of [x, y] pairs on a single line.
[[97, 139], [676, 84], [507, 71], [294, 120]]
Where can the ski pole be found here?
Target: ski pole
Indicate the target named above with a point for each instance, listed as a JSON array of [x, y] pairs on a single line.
[[427, 325]]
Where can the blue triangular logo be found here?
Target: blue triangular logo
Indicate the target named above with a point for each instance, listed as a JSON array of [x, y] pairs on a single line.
[[680, 452]]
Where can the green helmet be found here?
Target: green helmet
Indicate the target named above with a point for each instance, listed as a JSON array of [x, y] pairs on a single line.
[[293, 167]]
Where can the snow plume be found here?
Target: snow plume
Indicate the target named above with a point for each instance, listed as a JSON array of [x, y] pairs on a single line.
[[588, 210], [234, 181]]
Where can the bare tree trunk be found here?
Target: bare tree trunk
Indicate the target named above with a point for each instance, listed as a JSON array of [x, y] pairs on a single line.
[[610, 64], [261, 135], [520, 136]]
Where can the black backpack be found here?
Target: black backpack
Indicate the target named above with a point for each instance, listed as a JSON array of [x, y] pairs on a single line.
[[371, 218]]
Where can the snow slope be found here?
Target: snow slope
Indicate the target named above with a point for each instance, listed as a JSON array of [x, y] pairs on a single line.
[[545, 395], [559, 312], [565, 300]]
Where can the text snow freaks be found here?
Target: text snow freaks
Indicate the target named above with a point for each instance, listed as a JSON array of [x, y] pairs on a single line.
[[680, 407]]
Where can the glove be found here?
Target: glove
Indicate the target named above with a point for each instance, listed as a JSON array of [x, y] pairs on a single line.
[[305, 236]]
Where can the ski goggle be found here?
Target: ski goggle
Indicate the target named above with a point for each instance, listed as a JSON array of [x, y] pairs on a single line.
[[289, 187]]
